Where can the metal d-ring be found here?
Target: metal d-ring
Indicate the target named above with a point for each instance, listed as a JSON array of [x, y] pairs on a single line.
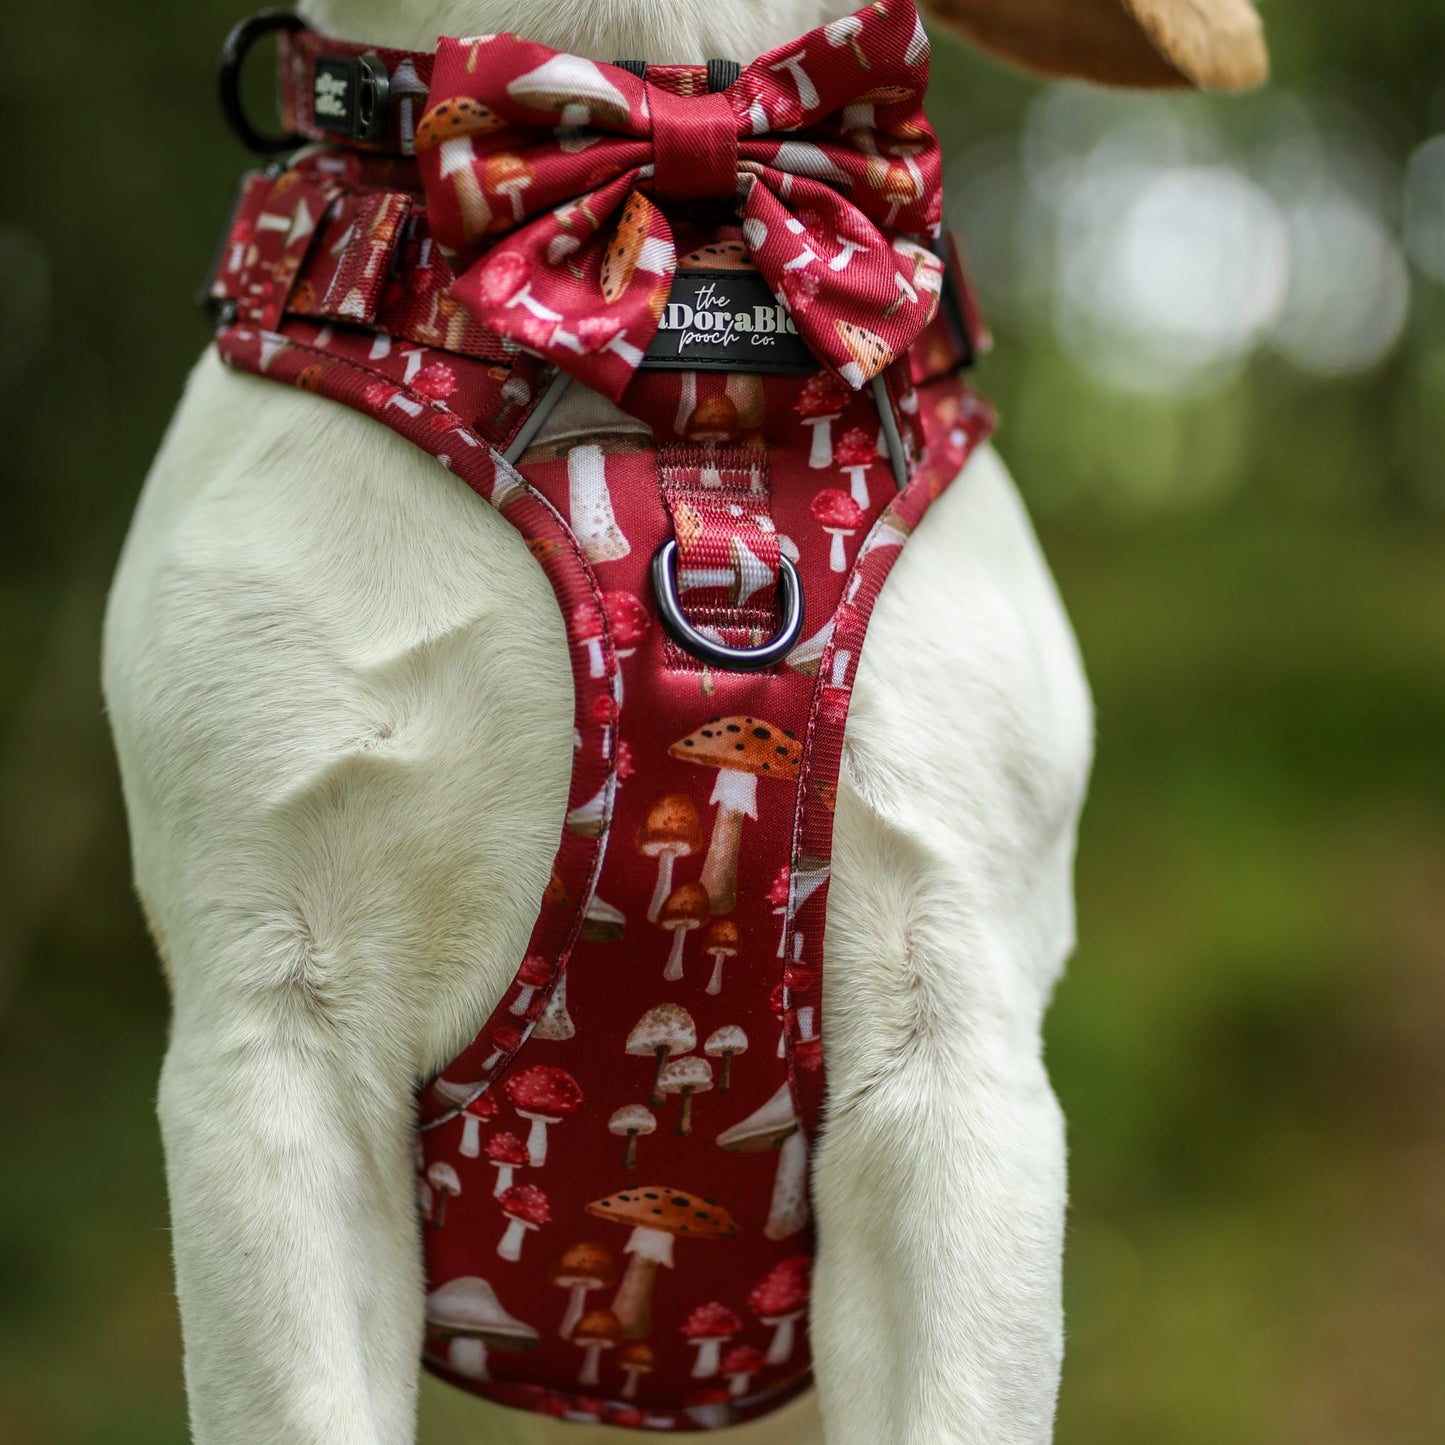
[[719, 654], [242, 37]]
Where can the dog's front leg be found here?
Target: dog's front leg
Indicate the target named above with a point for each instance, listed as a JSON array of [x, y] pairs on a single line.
[[295, 1236], [939, 1181]]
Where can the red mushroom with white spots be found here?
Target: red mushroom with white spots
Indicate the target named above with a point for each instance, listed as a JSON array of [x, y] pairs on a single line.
[[533, 974], [662, 1032], [685, 911], [839, 516], [542, 1094], [739, 1366], [527, 1208], [710, 1326], [505, 1040], [856, 452], [820, 403], [447, 1183], [596, 1331], [721, 943], [506, 1152], [711, 1409], [587, 628], [630, 624], [742, 749], [780, 1300], [631, 1120], [673, 830], [774, 1125], [686, 1076], [476, 1112], [658, 1215], [583, 1267]]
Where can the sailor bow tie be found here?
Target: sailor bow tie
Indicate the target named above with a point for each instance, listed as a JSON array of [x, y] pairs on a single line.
[[549, 177]]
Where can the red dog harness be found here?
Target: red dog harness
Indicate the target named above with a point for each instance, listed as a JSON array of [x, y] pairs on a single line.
[[680, 325]]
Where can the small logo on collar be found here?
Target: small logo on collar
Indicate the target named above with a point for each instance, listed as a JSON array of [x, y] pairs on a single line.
[[348, 96]]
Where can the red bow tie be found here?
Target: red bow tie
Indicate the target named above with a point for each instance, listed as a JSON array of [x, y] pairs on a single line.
[[820, 146]]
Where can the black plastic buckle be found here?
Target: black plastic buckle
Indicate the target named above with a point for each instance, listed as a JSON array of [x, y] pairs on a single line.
[[349, 96], [233, 53]]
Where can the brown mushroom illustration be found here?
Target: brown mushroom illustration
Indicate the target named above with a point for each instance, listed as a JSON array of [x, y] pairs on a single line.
[[673, 830], [509, 175], [742, 749], [583, 1267], [686, 1076], [632, 1120], [820, 403], [721, 943], [739, 1366], [855, 454], [447, 1183], [526, 1207], [556, 1024], [658, 1215], [465, 1315], [839, 516], [780, 1299], [507, 1152], [475, 1112], [685, 911], [596, 1331], [635, 1361], [586, 428], [710, 1326], [664, 1032], [774, 1125], [544, 1095], [533, 974], [725, 1043]]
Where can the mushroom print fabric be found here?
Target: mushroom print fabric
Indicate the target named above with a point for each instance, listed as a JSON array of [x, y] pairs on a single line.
[[613, 1177], [820, 147]]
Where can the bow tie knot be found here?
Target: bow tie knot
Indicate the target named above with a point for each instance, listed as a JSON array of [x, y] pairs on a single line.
[[694, 146], [550, 176]]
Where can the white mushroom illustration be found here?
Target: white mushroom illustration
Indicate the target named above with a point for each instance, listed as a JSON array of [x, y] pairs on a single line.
[[527, 1208], [657, 1215], [631, 1120], [807, 91], [635, 1361], [507, 1153], [575, 86], [596, 1331], [725, 1044], [739, 1366], [709, 1409], [721, 943], [685, 911], [447, 1183], [673, 830], [542, 1094], [686, 1076], [710, 1326], [742, 749], [405, 92], [601, 922], [586, 428], [774, 1125], [556, 1023], [780, 1299], [663, 1032], [466, 1316], [580, 1269], [845, 31]]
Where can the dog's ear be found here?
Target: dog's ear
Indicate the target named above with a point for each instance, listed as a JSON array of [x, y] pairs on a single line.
[[1210, 44]]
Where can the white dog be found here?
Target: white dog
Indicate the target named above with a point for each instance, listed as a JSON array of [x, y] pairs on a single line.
[[343, 708]]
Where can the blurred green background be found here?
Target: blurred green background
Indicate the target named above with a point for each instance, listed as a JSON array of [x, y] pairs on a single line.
[[1221, 367]]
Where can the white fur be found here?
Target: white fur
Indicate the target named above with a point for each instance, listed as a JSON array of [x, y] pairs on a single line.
[[341, 699]]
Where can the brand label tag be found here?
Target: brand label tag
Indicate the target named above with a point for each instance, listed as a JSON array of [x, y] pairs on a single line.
[[333, 94], [728, 320]]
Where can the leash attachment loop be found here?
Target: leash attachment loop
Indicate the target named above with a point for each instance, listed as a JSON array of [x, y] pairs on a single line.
[[244, 34], [709, 650]]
